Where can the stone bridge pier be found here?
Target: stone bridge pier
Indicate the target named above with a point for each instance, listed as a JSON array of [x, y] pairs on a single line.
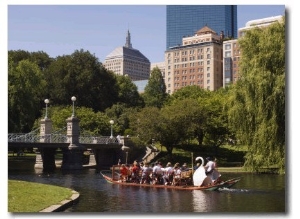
[[45, 158], [73, 155]]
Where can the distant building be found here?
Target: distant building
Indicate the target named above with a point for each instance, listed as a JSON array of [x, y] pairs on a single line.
[[232, 52], [126, 60], [185, 20], [160, 65], [263, 22], [197, 61]]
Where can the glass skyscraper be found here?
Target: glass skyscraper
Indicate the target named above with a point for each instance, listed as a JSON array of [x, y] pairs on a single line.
[[185, 20]]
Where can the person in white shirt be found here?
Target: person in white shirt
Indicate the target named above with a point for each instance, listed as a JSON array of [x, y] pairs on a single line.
[[210, 166], [157, 173], [168, 174]]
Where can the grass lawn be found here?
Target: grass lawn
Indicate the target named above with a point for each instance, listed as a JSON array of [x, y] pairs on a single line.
[[34, 197]]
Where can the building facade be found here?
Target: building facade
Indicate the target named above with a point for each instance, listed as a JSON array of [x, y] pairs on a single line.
[[126, 60], [232, 52], [197, 61], [185, 20]]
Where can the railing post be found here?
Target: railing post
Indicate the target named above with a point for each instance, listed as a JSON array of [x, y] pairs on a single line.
[[45, 130], [45, 158], [72, 157]]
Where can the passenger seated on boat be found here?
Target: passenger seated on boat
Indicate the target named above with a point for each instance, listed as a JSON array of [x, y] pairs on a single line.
[[184, 167], [168, 174], [135, 172], [210, 165], [146, 171], [129, 172], [177, 173], [186, 177], [124, 172], [211, 171], [157, 173]]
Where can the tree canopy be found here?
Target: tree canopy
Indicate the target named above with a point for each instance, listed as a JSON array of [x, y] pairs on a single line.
[[155, 91], [257, 103], [83, 76], [26, 87]]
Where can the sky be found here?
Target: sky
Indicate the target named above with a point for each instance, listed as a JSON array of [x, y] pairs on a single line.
[[62, 29], [53, 32]]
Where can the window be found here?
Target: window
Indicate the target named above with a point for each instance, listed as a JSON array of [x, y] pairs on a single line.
[[228, 54], [227, 46]]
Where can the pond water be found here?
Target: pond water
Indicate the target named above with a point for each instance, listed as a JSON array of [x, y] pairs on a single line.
[[255, 193]]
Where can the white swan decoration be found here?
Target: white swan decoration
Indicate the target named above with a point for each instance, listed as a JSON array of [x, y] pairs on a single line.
[[199, 176]]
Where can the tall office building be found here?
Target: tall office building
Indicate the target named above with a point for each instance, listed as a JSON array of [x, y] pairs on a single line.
[[125, 60], [186, 20]]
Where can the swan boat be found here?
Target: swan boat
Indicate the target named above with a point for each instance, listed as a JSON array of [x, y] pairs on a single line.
[[198, 181]]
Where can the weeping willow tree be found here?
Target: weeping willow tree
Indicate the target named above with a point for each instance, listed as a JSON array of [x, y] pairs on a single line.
[[257, 102]]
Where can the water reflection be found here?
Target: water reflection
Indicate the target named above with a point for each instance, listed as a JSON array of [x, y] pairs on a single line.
[[199, 201], [254, 193]]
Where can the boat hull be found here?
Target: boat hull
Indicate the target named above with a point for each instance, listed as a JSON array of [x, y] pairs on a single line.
[[225, 184]]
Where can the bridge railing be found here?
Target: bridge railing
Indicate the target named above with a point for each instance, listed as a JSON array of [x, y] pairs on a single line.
[[60, 138], [98, 140], [55, 138], [21, 137]]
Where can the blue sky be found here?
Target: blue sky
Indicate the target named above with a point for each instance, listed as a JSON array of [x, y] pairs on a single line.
[[61, 29]]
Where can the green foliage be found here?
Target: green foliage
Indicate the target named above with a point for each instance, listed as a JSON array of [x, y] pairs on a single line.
[[155, 91], [257, 101], [26, 87], [83, 76], [90, 123], [40, 58], [128, 92]]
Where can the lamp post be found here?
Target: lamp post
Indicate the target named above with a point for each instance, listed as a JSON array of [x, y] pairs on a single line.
[[73, 100], [126, 149], [111, 128], [46, 102]]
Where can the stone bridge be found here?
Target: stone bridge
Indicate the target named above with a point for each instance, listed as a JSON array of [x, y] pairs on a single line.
[[104, 150]]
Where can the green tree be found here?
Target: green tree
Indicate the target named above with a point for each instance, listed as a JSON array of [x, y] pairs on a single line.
[[41, 58], [144, 124], [120, 114], [257, 103], [91, 123], [83, 76], [155, 91], [26, 87], [128, 92], [204, 111]]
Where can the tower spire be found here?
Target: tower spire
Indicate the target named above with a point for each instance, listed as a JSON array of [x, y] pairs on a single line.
[[128, 41]]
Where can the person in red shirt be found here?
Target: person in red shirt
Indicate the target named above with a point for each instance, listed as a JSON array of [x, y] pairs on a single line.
[[135, 175], [124, 172]]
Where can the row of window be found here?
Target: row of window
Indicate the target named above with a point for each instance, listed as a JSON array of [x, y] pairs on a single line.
[[184, 83], [191, 52], [197, 41], [228, 46], [191, 77]]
